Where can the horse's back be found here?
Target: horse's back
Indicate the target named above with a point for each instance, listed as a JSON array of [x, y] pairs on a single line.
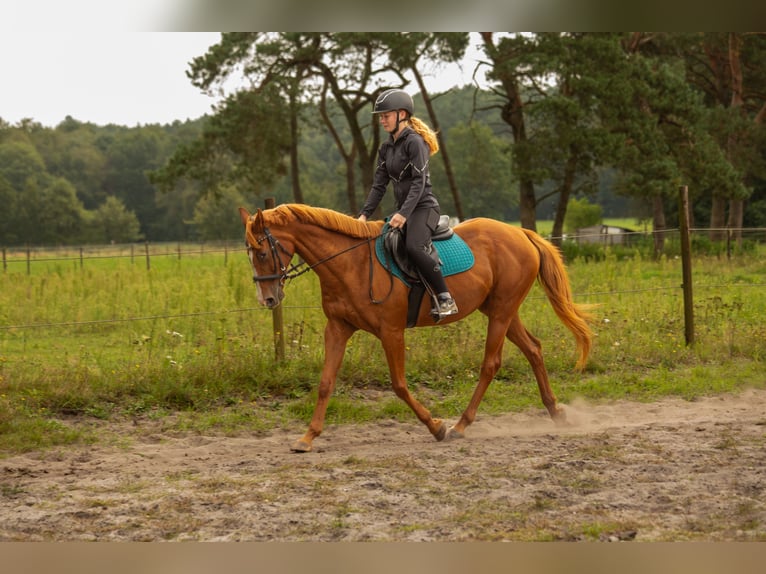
[[505, 260], [495, 238]]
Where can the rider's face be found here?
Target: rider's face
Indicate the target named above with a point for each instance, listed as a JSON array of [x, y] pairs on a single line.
[[388, 120]]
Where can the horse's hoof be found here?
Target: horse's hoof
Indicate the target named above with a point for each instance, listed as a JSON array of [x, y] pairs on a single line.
[[560, 418], [441, 432], [455, 434], [301, 446]]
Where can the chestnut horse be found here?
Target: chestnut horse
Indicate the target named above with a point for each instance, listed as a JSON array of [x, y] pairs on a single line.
[[359, 293]]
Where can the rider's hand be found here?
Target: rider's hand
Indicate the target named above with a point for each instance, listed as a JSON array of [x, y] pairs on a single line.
[[397, 220]]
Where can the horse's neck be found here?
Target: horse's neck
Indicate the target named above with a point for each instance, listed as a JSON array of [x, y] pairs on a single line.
[[315, 244]]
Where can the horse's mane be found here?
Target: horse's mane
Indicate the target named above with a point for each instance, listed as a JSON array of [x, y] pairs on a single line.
[[325, 218]]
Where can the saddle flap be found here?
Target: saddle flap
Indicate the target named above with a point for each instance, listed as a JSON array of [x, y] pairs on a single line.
[[395, 247]]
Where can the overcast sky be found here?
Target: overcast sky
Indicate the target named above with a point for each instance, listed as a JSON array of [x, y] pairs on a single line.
[[121, 77], [125, 78]]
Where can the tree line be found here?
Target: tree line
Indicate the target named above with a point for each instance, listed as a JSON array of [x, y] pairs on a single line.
[[622, 119]]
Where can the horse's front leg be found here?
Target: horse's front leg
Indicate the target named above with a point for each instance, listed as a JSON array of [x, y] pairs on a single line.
[[336, 335], [393, 344]]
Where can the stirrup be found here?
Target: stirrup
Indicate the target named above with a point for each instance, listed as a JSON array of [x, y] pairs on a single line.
[[445, 308]]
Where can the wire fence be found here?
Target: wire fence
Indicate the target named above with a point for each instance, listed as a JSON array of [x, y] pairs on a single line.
[[141, 253], [726, 240], [19, 258]]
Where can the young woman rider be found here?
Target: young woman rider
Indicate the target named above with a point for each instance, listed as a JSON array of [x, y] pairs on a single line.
[[403, 160]]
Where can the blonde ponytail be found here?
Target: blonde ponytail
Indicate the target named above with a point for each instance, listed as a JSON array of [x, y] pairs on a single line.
[[426, 133]]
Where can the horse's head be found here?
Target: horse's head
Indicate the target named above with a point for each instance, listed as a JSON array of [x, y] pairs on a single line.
[[268, 258]]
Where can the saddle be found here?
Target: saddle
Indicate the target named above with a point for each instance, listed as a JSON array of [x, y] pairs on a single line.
[[394, 246]]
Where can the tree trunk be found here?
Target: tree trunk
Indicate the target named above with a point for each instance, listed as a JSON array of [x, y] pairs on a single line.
[[527, 205], [350, 111], [736, 219], [564, 195], [442, 145], [513, 114], [658, 221], [350, 183], [294, 170], [736, 206], [717, 218], [348, 156]]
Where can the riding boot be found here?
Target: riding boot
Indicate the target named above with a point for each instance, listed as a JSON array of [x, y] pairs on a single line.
[[444, 303]]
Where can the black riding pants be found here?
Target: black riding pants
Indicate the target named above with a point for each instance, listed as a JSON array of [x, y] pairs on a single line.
[[418, 230]]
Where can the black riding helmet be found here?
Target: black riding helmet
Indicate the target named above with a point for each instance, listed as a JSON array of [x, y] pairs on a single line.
[[392, 100]]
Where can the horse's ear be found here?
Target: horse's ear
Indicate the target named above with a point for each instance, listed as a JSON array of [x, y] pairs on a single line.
[[244, 215]]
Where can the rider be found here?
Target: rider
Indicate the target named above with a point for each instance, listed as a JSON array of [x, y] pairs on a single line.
[[403, 159]]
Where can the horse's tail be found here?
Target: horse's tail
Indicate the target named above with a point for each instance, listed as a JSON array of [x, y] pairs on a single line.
[[555, 281]]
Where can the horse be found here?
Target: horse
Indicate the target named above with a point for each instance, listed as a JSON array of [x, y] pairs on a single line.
[[359, 293]]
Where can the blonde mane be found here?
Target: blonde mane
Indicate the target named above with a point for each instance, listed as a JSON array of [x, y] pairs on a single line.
[[325, 218]]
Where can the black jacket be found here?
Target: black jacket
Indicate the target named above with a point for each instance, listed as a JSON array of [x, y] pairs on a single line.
[[404, 162]]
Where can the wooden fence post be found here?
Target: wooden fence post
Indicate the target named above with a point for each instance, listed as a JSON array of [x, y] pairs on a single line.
[[686, 262], [276, 313], [146, 249]]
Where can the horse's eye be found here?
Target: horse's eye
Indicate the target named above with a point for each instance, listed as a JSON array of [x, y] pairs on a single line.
[[262, 256]]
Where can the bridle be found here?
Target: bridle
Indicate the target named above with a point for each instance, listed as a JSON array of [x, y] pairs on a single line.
[[283, 273], [276, 247]]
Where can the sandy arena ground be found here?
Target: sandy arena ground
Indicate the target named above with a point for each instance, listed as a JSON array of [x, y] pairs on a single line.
[[666, 471]]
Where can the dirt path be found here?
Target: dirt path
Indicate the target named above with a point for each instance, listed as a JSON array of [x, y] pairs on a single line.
[[671, 470]]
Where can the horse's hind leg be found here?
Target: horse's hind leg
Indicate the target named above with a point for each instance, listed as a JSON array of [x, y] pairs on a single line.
[[532, 349], [493, 356]]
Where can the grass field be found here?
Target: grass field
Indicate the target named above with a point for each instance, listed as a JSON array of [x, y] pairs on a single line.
[[111, 339]]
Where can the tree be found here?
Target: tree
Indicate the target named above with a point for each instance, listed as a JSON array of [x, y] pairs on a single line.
[[667, 137], [549, 86], [582, 213], [340, 73], [243, 144], [729, 69], [114, 223], [568, 75], [505, 66], [22, 177], [481, 173], [72, 152], [406, 52], [7, 213], [61, 216], [213, 215]]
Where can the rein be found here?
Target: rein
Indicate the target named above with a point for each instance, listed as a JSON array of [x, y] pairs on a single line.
[[295, 270]]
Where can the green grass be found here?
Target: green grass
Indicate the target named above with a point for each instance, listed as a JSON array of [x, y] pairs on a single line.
[[185, 343]]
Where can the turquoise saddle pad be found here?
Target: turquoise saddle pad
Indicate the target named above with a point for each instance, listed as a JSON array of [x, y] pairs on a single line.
[[455, 254]]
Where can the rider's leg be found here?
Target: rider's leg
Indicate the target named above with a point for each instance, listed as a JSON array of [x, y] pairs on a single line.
[[420, 226]]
